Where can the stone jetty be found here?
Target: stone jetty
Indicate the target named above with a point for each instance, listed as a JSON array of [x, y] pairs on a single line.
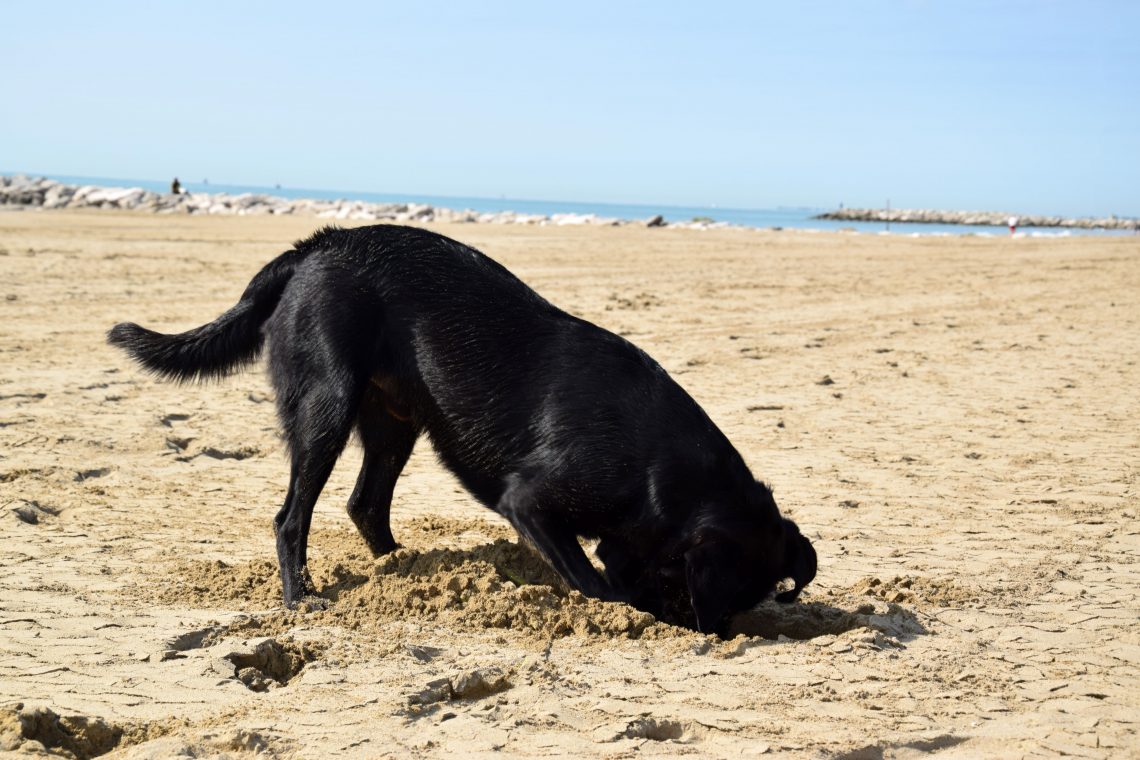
[[40, 192], [989, 218]]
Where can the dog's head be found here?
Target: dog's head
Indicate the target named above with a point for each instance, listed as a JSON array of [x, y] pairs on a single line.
[[739, 557]]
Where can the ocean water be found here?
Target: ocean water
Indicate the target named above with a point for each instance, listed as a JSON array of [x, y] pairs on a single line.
[[785, 218]]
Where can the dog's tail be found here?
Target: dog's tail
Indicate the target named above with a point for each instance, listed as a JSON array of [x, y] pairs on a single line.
[[232, 340]]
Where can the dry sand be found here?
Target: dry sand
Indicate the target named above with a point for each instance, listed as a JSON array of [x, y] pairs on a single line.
[[953, 421]]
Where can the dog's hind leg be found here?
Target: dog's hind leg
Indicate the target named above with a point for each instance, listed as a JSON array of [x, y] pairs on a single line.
[[521, 504], [317, 425], [387, 442]]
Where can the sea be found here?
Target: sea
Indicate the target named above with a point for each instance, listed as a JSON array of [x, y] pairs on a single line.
[[799, 218]]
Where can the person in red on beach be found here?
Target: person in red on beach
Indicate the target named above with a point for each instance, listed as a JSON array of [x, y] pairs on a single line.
[[1012, 225]]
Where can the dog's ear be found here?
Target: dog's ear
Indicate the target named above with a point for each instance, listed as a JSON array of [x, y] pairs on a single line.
[[714, 580], [799, 561]]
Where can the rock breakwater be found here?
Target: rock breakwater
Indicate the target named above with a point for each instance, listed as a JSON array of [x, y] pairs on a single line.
[[40, 192], [983, 218]]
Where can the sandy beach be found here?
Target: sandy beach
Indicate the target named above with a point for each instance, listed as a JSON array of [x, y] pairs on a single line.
[[952, 421]]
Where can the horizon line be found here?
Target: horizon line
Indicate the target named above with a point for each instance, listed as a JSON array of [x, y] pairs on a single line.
[[504, 198]]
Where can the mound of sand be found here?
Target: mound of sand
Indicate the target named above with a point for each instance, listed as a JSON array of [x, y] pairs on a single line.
[[498, 585]]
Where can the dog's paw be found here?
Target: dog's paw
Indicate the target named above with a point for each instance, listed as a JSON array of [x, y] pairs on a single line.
[[379, 550], [311, 603]]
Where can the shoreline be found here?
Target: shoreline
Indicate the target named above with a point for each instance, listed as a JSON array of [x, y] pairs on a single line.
[[25, 191], [976, 218]]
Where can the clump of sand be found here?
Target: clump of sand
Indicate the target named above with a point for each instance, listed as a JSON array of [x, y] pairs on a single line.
[[498, 585]]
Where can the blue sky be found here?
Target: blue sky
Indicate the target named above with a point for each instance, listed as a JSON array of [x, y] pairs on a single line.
[[1023, 106]]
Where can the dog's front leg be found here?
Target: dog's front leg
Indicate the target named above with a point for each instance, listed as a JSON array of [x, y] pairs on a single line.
[[622, 569], [522, 504]]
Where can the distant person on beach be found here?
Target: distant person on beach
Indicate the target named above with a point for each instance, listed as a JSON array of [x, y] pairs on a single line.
[[1012, 225], [176, 187]]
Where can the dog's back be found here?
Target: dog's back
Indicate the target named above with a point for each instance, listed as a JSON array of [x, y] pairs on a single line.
[[499, 378]]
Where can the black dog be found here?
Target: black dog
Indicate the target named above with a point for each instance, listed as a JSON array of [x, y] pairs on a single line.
[[561, 427]]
